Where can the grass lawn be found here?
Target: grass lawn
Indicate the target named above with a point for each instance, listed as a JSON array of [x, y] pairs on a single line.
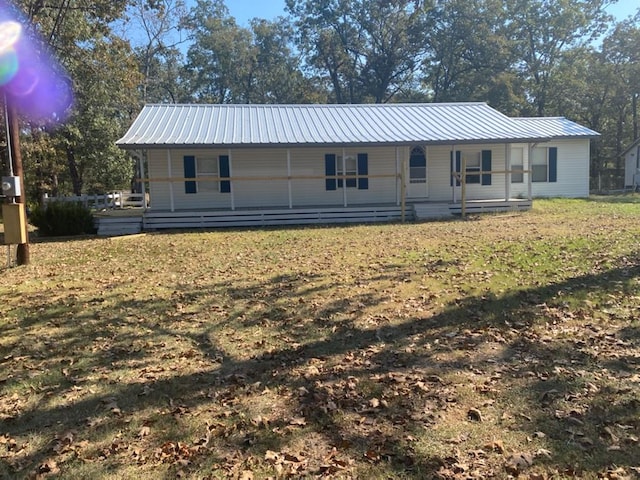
[[501, 346]]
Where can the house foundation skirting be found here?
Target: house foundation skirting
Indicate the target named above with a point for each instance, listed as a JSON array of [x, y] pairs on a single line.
[[124, 223]]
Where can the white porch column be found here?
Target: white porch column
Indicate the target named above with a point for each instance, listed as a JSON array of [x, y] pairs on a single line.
[[398, 177], [289, 178], [530, 171], [453, 180], [344, 177], [169, 175], [507, 174], [403, 185], [231, 189], [143, 183]]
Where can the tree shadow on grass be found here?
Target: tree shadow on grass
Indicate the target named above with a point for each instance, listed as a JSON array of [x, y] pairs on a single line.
[[363, 386]]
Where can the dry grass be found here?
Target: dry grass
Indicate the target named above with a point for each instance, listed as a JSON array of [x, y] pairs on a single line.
[[506, 345]]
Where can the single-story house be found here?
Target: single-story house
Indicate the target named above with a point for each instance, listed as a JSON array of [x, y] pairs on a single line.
[[632, 165], [211, 165]]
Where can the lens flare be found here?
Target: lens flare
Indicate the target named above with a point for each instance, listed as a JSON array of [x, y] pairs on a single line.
[[29, 75], [8, 66], [9, 34]]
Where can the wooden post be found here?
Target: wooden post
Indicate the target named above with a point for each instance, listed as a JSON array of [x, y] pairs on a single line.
[[23, 257]]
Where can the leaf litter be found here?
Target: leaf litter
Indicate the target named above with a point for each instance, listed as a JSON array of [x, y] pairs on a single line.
[[507, 346]]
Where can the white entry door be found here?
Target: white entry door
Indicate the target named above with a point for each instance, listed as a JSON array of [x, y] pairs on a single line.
[[417, 185]]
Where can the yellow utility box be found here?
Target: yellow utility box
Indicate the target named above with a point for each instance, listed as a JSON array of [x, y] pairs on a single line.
[[14, 218]]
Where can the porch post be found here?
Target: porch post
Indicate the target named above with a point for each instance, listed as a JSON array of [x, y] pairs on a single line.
[[231, 189], [463, 183], [507, 174], [344, 177], [143, 183], [454, 180], [529, 172], [289, 178], [170, 174], [398, 177], [403, 187]]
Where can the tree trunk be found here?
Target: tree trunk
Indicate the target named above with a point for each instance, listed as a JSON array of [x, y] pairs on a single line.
[[76, 179]]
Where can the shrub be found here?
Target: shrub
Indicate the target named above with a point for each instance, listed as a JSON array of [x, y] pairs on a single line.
[[62, 218]]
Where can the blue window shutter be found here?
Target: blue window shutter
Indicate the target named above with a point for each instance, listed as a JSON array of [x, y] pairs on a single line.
[[553, 164], [330, 171], [486, 167], [457, 169], [363, 169], [190, 172], [225, 185]]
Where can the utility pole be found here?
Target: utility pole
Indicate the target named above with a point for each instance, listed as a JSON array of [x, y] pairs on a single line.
[[13, 144]]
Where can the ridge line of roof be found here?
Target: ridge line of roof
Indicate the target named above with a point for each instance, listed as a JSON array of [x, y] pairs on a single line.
[[315, 105]]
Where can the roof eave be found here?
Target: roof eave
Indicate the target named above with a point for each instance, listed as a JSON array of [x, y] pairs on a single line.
[[400, 143]]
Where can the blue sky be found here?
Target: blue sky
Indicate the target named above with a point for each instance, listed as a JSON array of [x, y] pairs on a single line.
[[245, 10]]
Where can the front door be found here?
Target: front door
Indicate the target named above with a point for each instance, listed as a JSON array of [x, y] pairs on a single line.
[[417, 185]]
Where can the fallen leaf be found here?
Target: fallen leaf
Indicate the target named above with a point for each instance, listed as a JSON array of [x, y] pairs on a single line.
[[475, 415], [298, 421], [372, 455], [518, 462]]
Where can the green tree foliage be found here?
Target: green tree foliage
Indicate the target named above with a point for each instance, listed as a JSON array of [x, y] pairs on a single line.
[[368, 50], [524, 57], [471, 53], [545, 30], [227, 63], [156, 30], [103, 74]]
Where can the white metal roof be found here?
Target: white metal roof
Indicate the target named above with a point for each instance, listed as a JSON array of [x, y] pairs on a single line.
[[291, 125], [557, 127]]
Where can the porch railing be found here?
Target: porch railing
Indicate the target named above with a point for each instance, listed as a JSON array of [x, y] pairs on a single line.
[[103, 201]]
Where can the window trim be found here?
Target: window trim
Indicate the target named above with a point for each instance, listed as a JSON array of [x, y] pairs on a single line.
[[477, 174], [199, 173], [551, 164], [355, 178]]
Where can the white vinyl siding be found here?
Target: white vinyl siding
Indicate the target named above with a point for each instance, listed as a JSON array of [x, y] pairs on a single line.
[[261, 176], [572, 171], [262, 179]]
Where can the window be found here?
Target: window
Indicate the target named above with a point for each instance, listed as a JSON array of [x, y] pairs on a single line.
[[417, 166], [473, 167], [356, 170], [207, 168], [351, 170], [544, 164], [517, 164], [478, 166], [211, 169]]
